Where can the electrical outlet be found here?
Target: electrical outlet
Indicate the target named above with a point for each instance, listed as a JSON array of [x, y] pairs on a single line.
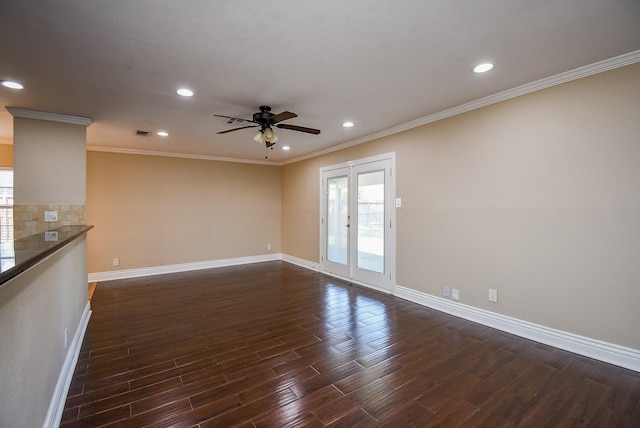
[[445, 291], [116, 262], [268, 246], [51, 235], [493, 295], [50, 216], [455, 294]]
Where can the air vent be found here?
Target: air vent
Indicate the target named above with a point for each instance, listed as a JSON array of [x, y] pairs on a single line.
[[143, 133]]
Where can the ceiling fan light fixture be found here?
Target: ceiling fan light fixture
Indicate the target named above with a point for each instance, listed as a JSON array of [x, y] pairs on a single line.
[[259, 137], [270, 136], [266, 120]]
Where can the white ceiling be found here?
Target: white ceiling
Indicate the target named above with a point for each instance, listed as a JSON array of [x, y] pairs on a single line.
[[380, 64]]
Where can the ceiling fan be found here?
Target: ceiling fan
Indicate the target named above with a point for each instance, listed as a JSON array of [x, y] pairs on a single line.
[[265, 120]]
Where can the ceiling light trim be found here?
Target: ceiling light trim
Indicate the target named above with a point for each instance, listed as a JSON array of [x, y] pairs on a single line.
[[12, 84], [558, 79], [185, 92], [51, 117], [483, 67]]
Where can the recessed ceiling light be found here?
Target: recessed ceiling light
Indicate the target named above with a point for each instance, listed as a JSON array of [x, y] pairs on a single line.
[[483, 68], [12, 85], [162, 133], [185, 92], [286, 148], [347, 124]]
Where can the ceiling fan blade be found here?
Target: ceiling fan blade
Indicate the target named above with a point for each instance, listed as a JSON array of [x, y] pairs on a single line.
[[234, 118], [299, 128], [237, 129], [282, 116]]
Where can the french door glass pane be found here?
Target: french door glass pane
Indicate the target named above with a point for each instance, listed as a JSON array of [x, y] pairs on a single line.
[[337, 219], [370, 246]]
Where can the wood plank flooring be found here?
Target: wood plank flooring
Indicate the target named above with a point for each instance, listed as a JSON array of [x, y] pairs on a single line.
[[91, 289], [276, 345]]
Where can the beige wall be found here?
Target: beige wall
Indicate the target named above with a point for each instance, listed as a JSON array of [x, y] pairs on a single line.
[[155, 211], [6, 153], [538, 197]]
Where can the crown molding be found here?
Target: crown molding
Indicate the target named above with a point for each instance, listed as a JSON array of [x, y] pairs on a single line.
[[538, 85], [175, 155], [51, 117], [578, 73]]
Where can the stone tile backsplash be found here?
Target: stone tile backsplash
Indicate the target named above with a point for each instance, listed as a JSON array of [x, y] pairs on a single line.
[[29, 219]]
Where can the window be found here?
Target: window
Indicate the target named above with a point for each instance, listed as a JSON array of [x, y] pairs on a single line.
[[6, 205], [7, 257]]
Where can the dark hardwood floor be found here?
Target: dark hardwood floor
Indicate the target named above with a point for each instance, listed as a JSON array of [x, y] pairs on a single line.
[[276, 345]]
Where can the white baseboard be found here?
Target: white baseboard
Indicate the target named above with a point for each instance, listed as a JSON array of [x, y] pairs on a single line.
[[56, 406], [301, 262], [182, 267], [603, 351], [608, 352]]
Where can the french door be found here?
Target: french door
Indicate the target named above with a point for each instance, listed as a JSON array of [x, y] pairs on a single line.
[[357, 221]]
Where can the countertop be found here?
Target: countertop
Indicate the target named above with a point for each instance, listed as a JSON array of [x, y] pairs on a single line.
[[19, 255]]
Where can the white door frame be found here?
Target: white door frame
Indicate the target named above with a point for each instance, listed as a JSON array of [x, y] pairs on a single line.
[[390, 240]]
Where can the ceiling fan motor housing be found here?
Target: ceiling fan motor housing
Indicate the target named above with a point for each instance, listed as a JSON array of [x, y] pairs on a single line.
[[263, 116]]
